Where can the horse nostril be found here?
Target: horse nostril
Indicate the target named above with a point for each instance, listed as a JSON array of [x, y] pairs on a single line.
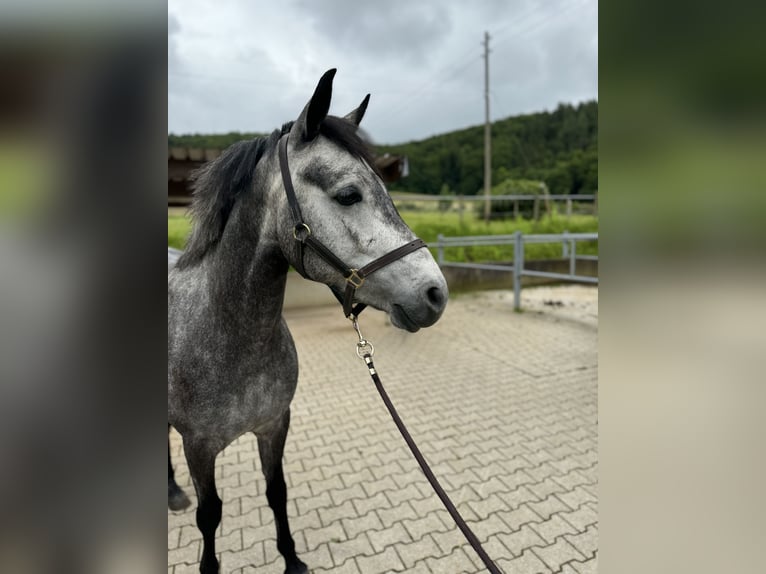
[[435, 296]]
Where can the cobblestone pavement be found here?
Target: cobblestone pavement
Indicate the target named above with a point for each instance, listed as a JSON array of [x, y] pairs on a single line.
[[502, 404]]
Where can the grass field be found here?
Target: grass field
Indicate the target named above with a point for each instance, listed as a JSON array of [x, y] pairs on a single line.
[[429, 224], [178, 229]]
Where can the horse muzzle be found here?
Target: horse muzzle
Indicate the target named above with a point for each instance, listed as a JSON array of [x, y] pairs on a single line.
[[423, 312]]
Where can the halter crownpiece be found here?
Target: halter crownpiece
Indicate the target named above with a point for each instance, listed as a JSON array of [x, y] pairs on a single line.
[[302, 233]]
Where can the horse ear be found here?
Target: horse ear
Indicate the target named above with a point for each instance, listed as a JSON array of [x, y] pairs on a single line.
[[316, 110], [357, 115]]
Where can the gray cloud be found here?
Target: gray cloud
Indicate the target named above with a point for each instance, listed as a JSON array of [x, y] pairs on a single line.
[[244, 65], [407, 30]]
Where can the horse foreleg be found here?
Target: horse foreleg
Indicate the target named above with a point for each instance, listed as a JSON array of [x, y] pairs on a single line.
[[200, 455], [177, 499], [271, 446]]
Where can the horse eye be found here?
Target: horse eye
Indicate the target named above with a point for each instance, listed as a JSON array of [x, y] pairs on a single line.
[[348, 196]]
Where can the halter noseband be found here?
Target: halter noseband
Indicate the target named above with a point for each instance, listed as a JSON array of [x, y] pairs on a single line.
[[302, 234]]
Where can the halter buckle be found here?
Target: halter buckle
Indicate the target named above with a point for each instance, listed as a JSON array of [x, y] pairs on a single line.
[[355, 279], [297, 229]]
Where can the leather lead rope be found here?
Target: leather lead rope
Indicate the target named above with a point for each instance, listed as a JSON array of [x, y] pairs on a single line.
[[365, 351], [354, 280], [303, 236]]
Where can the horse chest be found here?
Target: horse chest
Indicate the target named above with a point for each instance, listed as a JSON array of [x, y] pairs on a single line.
[[229, 391]]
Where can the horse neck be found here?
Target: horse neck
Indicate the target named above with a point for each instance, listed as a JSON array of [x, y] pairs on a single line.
[[247, 272]]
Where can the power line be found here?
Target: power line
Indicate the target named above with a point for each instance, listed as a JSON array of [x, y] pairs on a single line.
[[542, 22], [521, 26], [444, 74]]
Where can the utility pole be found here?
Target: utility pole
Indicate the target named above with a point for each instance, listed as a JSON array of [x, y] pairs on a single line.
[[487, 132]]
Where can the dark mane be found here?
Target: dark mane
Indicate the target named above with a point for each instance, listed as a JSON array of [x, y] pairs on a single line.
[[219, 183]]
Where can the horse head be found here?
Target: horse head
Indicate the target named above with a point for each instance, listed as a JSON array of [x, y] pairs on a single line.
[[346, 206]]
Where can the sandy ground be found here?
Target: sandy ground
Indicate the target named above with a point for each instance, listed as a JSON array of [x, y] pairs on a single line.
[[560, 302]]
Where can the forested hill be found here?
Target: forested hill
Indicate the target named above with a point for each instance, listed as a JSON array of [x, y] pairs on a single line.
[[558, 147], [210, 141]]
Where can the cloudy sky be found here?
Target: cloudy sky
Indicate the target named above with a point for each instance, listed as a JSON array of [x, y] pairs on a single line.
[[250, 65]]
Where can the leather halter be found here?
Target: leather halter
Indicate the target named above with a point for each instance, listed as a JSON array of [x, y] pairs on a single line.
[[302, 233]]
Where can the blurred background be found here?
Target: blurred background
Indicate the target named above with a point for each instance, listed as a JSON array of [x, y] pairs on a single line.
[[82, 128]]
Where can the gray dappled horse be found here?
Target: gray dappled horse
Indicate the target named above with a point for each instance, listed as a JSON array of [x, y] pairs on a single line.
[[232, 365]]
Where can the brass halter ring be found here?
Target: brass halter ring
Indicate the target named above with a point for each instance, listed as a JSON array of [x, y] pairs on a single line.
[[297, 228]]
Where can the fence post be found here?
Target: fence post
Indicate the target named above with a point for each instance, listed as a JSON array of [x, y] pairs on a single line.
[[518, 268], [440, 249], [565, 244], [569, 207], [572, 255], [536, 210]]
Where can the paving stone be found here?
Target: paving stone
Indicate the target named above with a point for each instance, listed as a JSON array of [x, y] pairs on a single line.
[[231, 561], [174, 535], [429, 504], [586, 542], [520, 516], [360, 524], [382, 485], [528, 563], [365, 505], [314, 538], [185, 568], [547, 507], [189, 554], [252, 535], [455, 561], [581, 518], [314, 502], [348, 567], [576, 498], [399, 495], [335, 513], [522, 539], [231, 542], [558, 553], [189, 533], [571, 479], [587, 567], [568, 569], [483, 529], [347, 493], [342, 551], [385, 561], [413, 552], [554, 527], [448, 540], [320, 557], [432, 522], [389, 516], [518, 456], [394, 534]]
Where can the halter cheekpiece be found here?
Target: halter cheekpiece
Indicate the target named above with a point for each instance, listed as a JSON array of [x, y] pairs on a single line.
[[302, 233]]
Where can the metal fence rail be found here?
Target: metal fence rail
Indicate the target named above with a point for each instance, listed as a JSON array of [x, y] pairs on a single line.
[[398, 196], [519, 240], [402, 200]]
